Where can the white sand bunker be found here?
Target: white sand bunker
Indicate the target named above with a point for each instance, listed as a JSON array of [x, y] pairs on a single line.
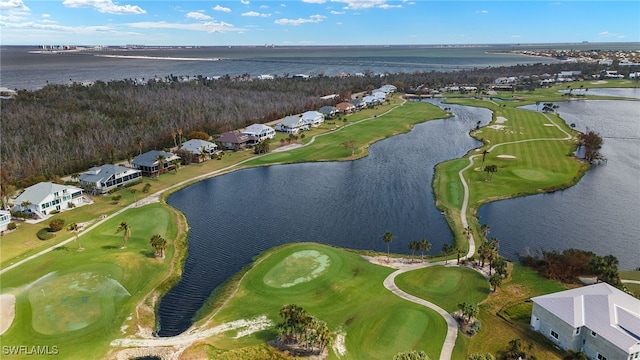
[[7, 311], [501, 120], [506, 157], [549, 125], [496, 127], [338, 345]]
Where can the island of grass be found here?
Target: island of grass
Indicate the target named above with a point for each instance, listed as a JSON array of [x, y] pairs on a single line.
[[239, 326]]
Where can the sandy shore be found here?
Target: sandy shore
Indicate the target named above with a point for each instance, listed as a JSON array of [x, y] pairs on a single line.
[[7, 311]]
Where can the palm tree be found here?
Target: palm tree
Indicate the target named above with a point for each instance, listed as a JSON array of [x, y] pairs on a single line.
[[490, 169], [447, 249], [484, 155], [414, 246], [424, 245], [160, 160], [387, 237], [467, 231], [484, 228], [126, 233], [176, 164], [495, 280], [74, 228], [138, 140], [160, 244], [133, 192]]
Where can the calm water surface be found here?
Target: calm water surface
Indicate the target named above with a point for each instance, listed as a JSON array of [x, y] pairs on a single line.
[[351, 204]]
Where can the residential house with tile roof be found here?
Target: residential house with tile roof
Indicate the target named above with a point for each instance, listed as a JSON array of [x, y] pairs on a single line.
[[599, 320], [235, 140], [148, 162]]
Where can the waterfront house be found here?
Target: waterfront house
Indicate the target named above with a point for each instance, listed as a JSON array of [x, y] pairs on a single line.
[[388, 88], [197, 150], [292, 124], [329, 112], [371, 100], [359, 104], [235, 140], [42, 198], [5, 219], [148, 162], [313, 118], [260, 132], [599, 320], [345, 107], [102, 179]]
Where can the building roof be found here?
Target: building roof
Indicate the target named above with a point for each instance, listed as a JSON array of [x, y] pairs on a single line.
[[292, 121], [344, 106], [328, 109], [257, 129], [100, 173], [234, 137], [35, 194], [150, 158], [195, 146], [312, 116], [609, 312]]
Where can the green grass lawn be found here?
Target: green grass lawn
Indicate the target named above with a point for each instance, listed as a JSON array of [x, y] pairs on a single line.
[[77, 301], [347, 293]]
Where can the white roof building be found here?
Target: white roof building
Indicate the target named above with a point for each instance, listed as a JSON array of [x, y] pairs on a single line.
[[599, 320], [42, 198], [260, 131]]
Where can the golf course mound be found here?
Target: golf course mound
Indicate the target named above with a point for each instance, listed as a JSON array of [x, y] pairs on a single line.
[[297, 268], [73, 301]]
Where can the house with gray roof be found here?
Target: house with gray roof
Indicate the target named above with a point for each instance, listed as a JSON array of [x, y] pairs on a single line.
[[148, 162], [328, 111], [292, 124], [313, 118], [42, 198], [196, 150], [102, 179], [260, 132], [599, 320]]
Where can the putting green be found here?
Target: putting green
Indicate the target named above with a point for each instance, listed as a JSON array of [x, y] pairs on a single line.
[[72, 301], [534, 175], [297, 268]]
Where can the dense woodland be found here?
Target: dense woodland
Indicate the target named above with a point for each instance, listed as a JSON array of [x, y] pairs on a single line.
[[62, 129]]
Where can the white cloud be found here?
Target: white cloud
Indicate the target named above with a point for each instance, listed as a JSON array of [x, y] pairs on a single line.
[[299, 21], [315, 1], [46, 15], [387, 6], [333, 12], [255, 14], [198, 15], [482, 11], [105, 6], [13, 11], [221, 9], [210, 26], [608, 35], [361, 4], [246, 2]]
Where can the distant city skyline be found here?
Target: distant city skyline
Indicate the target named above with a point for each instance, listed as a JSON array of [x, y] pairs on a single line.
[[315, 22]]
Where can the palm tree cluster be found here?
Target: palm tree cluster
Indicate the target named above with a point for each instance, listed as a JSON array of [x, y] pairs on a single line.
[[488, 251], [160, 244], [298, 328], [468, 311], [421, 245]]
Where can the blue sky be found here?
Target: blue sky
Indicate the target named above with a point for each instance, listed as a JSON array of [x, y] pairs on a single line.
[[315, 22]]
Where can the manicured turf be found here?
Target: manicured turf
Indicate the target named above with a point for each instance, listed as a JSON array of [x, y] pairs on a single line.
[[445, 286], [348, 295], [78, 301]]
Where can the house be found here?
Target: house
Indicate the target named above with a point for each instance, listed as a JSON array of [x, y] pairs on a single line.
[[197, 150], [292, 124], [102, 179], [388, 88], [260, 132], [359, 104], [599, 320], [345, 107], [371, 100], [5, 219], [313, 118], [328, 111], [42, 198], [148, 162], [235, 140]]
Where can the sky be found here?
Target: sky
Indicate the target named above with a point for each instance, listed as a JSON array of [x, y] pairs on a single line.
[[315, 22]]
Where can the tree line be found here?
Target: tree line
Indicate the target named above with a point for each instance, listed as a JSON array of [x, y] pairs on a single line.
[[62, 129]]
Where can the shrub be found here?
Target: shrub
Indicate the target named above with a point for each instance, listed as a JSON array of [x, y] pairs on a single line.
[[475, 328], [12, 226], [45, 234], [54, 212], [56, 225]]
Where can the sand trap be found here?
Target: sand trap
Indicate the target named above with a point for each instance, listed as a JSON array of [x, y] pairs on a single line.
[[549, 125], [7, 311], [506, 157], [500, 120], [338, 344], [599, 82], [496, 127]]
